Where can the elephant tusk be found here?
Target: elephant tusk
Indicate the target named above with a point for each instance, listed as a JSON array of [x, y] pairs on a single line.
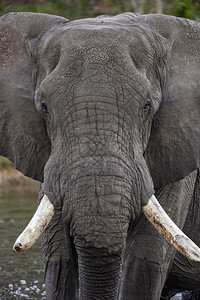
[[36, 226], [168, 229]]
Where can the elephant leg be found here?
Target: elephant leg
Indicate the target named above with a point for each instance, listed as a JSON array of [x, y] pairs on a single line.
[[60, 261], [148, 256]]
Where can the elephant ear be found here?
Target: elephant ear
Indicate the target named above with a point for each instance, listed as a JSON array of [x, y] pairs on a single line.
[[173, 150], [23, 137]]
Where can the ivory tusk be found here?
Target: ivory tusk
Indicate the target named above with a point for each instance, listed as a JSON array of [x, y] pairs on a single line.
[[168, 229], [36, 226]]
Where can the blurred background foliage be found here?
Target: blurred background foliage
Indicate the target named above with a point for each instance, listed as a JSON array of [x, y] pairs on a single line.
[[76, 9], [5, 163]]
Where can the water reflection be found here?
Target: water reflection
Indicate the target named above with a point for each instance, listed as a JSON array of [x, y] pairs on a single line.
[[22, 273]]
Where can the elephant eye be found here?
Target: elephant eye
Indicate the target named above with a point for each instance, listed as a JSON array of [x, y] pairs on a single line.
[[44, 108], [147, 106]]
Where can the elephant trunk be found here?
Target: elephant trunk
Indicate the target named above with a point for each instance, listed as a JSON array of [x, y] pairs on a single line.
[[99, 273], [98, 210]]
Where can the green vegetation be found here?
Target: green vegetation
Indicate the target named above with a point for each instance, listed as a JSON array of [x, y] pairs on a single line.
[[5, 163], [184, 8], [75, 9], [71, 9]]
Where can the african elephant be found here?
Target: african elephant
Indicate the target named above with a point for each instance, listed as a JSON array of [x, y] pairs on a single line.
[[105, 113]]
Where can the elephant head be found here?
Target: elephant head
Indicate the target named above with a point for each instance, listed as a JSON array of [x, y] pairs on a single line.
[[102, 112]]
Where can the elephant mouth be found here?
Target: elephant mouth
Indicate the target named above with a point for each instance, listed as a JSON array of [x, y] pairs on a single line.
[[152, 210]]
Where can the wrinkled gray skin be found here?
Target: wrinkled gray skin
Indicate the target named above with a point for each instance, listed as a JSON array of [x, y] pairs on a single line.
[[104, 112]]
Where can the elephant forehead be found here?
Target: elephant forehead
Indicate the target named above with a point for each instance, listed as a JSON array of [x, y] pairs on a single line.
[[104, 44], [88, 44], [98, 41], [96, 56]]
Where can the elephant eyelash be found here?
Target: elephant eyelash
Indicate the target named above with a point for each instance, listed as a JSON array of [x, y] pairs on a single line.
[[44, 108], [147, 107]]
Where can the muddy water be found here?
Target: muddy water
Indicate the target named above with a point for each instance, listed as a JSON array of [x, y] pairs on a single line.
[[21, 275]]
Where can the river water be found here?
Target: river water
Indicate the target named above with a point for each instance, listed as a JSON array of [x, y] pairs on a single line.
[[21, 274]]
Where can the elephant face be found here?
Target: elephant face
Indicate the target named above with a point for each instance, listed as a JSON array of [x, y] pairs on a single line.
[[98, 121], [102, 111], [84, 73]]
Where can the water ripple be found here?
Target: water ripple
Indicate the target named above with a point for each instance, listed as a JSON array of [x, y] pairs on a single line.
[[22, 273]]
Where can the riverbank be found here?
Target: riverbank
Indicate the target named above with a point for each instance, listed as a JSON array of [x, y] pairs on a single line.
[[13, 179]]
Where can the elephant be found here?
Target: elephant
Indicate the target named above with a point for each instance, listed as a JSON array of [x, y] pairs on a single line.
[[105, 113]]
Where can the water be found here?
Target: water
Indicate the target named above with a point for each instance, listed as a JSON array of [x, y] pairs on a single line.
[[21, 274]]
